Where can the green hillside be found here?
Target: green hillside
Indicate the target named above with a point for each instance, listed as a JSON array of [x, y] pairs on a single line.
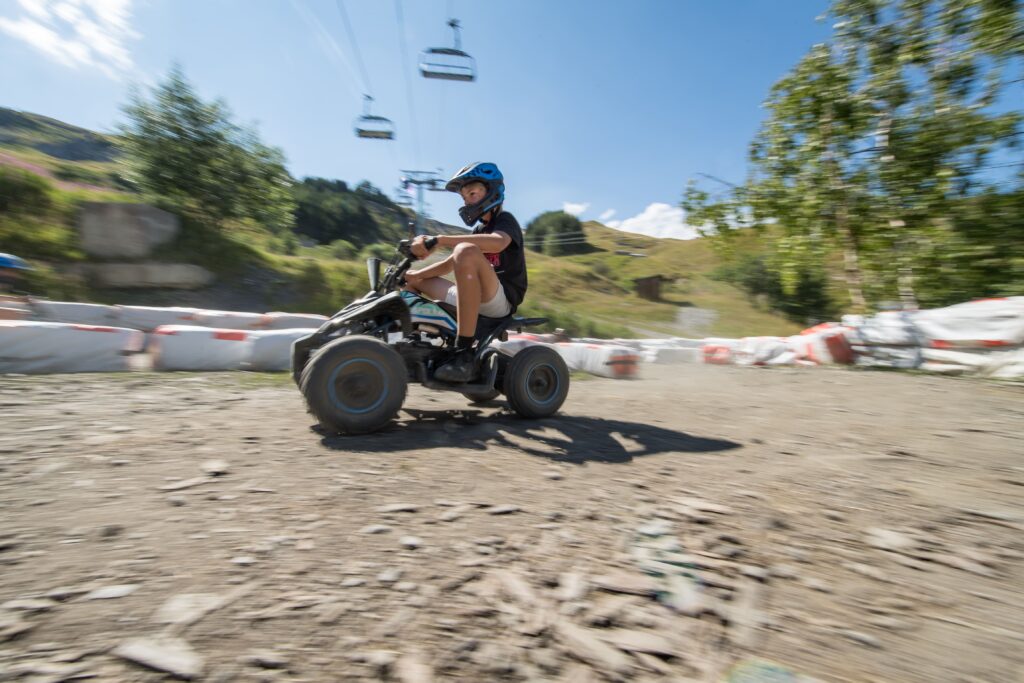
[[600, 285], [47, 168]]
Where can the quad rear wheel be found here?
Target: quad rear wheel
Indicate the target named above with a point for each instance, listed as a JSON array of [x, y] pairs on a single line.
[[536, 382]]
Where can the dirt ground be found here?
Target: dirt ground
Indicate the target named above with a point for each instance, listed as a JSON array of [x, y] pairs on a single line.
[[843, 525]]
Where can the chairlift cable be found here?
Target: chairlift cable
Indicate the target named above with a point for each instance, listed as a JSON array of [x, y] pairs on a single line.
[[355, 46], [327, 42], [408, 83]]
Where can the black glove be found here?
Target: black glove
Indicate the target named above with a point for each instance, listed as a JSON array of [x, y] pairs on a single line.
[[430, 242]]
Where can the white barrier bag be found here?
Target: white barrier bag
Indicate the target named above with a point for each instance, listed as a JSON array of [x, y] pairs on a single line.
[[759, 350], [996, 363], [72, 312], [272, 349], [148, 318], [888, 328], [617, 362], [292, 321], [231, 320], [986, 323], [183, 347], [30, 347]]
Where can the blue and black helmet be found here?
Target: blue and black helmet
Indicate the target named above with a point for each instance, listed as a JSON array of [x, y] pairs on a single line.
[[479, 172], [13, 262]]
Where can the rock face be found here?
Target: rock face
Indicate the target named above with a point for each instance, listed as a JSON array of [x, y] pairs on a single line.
[[151, 274], [116, 230]]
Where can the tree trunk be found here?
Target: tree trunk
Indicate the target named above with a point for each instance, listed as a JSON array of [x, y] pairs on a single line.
[[851, 258]]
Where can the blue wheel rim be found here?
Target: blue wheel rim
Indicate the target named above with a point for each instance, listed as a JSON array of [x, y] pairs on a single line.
[[358, 381]]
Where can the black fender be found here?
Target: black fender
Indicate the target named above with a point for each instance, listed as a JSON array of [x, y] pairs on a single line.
[[390, 305]]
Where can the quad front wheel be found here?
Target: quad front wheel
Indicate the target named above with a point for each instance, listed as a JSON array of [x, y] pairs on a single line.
[[354, 384]]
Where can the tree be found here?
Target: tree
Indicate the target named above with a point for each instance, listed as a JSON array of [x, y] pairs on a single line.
[[556, 233], [877, 143], [190, 156], [326, 210]]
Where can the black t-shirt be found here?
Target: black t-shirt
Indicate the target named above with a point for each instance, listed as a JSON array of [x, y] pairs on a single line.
[[510, 263]]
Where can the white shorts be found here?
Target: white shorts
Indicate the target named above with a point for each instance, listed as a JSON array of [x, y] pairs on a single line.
[[497, 307]]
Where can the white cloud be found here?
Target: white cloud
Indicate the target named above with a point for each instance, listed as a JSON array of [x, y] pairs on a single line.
[[658, 220], [574, 209], [605, 215], [77, 33]]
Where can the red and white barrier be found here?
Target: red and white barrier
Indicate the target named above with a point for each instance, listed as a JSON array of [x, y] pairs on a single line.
[[272, 349], [760, 351], [231, 320], [982, 324], [72, 312], [617, 362], [603, 360], [13, 313], [277, 320], [825, 344], [148, 318], [31, 347], [184, 347]]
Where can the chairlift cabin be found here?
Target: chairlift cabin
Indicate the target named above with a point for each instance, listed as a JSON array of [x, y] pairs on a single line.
[[448, 63], [371, 126]]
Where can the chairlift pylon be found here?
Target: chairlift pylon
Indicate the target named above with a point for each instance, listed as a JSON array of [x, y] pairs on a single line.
[[371, 126], [448, 63]]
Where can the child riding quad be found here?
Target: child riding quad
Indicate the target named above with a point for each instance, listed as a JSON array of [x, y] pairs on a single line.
[[354, 370]]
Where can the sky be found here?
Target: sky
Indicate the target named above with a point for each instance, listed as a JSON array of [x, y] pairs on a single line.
[[602, 109]]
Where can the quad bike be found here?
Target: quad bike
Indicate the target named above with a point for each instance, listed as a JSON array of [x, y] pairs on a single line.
[[354, 370]]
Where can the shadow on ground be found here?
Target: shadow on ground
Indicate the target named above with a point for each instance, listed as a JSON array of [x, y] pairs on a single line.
[[564, 438]]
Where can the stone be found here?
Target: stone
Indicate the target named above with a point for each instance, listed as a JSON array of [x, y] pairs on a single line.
[[244, 560], [266, 659], [886, 539], [215, 468], [572, 586], [398, 507], [124, 230], [620, 582], [640, 641], [502, 510], [390, 575], [145, 275], [411, 668], [30, 605], [584, 644], [410, 542], [112, 592], [375, 529], [862, 638], [170, 655], [186, 608]]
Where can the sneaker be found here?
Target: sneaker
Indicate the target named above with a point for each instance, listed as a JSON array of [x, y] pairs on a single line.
[[461, 368]]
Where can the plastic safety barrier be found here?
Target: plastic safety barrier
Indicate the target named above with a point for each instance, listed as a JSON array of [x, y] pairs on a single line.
[[824, 344], [999, 363], [272, 349], [888, 328], [617, 362], [604, 360], [13, 313], [73, 312], [759, 350], [277, 320], [184, 347], [31, 347], [148, 318], [231, 320], [981, 324]]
